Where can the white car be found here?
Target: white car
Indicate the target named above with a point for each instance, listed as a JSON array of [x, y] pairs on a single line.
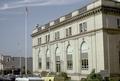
[[29, 79]]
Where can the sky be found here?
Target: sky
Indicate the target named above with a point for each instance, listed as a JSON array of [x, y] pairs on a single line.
[[12, 21]]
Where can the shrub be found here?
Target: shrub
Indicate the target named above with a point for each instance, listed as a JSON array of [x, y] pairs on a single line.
[[44, 73], [63, 74], [93, 77], [83, 79]]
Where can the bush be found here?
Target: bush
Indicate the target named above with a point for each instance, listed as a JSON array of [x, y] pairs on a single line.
[[83, 79], [93, 77], [114, 79], [44, 73], [63, 74]]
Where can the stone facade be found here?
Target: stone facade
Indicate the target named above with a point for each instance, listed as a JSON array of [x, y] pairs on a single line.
[[86, 39]]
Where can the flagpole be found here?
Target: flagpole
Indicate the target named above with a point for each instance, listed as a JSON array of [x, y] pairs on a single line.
[[26, 24]]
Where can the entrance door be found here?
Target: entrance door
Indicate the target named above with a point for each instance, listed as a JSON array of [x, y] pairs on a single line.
[[58, 65]]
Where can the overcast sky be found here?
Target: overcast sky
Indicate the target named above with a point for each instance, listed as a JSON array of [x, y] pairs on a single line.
[[12, 20]]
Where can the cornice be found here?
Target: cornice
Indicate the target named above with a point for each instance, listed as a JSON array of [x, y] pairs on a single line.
[[112, 31], [84, 14]]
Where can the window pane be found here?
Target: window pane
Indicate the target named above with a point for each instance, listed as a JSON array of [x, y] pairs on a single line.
[[40, 63], [48, 63], [57, 58], [69, 62], [70, 31], [118, 23], [81, 27], [69, 57], [85, 26], [39, 41], [66, 32], [84, 63], [84, 56], [57, 35], [48, 37]]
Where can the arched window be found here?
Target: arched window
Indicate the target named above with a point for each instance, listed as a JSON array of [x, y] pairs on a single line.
[[48, 59], [84, 56], [58, 65], [69, 58], [57, 53]]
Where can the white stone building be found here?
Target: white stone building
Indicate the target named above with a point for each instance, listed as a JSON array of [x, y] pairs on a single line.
[[86, 39]]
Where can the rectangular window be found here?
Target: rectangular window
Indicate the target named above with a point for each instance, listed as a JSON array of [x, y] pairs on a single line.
[[68, 31], [69, 62], [57, 35], [84, 57], [118, 23], [47, 38], [40, 63], [84, 63], [39, 41], [83, 27]]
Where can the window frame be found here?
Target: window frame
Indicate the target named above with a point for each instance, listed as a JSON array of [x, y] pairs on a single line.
[[40, 63], [69, 58], [39, 40], [69, 62], [68, 31], [47, 62], [84, 57], [83, 27], [48, 59], [57, 35], [84, 62], [80, 28], [47, 38], [118, 22]]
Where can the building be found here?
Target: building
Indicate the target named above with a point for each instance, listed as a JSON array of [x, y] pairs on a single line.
[[15, 63], [1, 62], [85, 39]]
